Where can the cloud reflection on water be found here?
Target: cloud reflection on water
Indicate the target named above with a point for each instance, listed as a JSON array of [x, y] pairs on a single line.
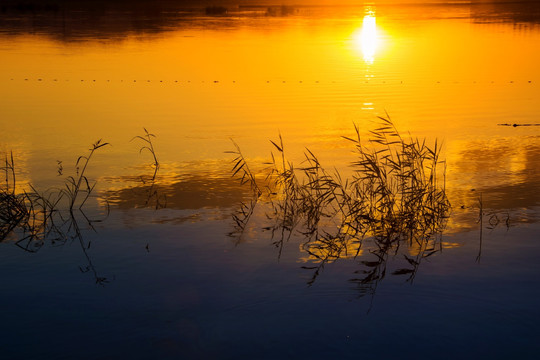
[[504, 170], [179, 192]]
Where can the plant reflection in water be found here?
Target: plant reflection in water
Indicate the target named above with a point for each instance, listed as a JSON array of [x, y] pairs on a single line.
[[395, 196], [392, 209], [50, 216], [55, 215]]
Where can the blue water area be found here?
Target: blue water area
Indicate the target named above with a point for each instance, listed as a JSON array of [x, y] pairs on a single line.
[[189, 290]]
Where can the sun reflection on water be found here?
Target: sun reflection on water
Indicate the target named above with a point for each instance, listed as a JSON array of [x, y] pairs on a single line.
[[367, 39]]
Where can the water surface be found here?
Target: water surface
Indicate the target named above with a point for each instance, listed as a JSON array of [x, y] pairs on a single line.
[[163, 272]]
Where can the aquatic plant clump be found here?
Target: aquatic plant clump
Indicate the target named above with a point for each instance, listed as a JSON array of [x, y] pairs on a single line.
[[395, 191], [42, 215], [12, 206], [54, 215], [396, 194], [12, 211], [39, 214]]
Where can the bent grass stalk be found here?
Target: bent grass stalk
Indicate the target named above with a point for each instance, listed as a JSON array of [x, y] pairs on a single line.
[[147, 139], [73, 184], [152, 192], [241, 168]]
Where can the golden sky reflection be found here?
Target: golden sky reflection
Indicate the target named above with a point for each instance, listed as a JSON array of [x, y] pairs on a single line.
[[504, 170], [250, 78], [182, 192]]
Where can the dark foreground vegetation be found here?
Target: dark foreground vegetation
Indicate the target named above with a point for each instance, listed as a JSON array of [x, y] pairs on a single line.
[[395, 196], [392, 204]]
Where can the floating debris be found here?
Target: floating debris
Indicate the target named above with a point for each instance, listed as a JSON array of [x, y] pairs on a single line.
[[516, 125]]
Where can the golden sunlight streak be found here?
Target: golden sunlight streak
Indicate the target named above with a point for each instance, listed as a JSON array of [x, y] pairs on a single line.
[[367, 39]]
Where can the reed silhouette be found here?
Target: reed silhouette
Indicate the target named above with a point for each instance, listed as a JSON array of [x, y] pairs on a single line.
[[149, 185], [48, 216], [396, 195], [148, 146]]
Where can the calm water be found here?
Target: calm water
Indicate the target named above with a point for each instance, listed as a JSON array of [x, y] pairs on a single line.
[[163, 274]]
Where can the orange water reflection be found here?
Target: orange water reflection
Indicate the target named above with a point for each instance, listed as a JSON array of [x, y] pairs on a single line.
[[197, 80]]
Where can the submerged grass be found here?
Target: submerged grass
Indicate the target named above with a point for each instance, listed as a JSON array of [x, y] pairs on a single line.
[[55, 215], [396, 194], [51, 214], [12, 206], [46, 215], [43, 215]]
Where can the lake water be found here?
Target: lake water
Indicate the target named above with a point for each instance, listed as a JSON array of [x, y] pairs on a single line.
[[154, 265]]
